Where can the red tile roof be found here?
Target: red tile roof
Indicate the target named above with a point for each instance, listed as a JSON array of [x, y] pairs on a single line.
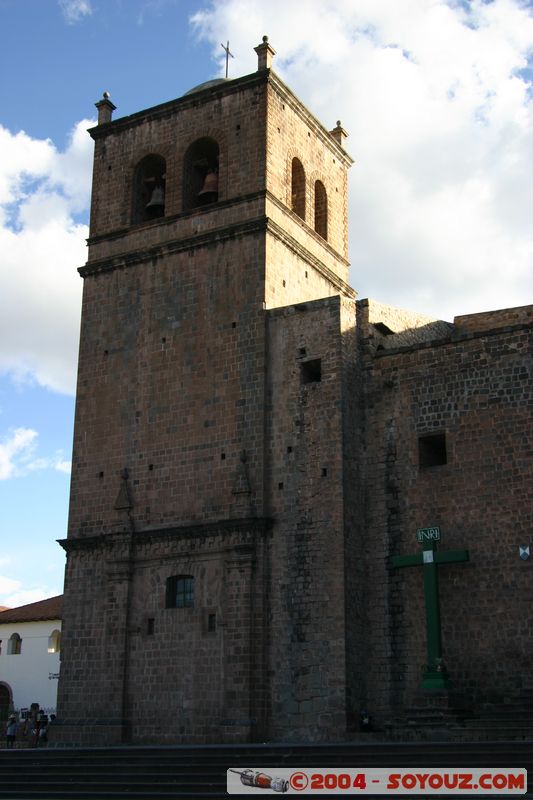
[[51, 608]]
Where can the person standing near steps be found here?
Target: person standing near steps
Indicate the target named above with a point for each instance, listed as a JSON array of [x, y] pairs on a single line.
[[11, 732]]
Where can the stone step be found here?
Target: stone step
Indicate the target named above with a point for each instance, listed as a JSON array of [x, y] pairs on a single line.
[[508, 711], [111, 758], [501, 722], [141, 776], [200, 772]]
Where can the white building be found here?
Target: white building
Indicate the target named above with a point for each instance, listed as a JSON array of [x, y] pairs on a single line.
[[30, 642]]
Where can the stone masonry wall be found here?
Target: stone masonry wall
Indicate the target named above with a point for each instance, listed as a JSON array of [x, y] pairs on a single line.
[[292, 276], [140, 671], [170, 387], [233, 115], [170, 451], [475, 389], [241, 420], [355, 531], [93, 644], [196, 674], [305, 500], [293, 132], [490, 320]]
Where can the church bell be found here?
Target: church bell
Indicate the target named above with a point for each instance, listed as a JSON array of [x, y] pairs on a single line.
[[209, 191], [157, 200]]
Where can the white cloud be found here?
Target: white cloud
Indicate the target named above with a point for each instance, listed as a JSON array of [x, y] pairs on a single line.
[[7, 586], [41, 245], [15, 451], [14, 593], [56, 463], [152, 8], [441, 125], [18, 455], [75, 10], [440, 118]]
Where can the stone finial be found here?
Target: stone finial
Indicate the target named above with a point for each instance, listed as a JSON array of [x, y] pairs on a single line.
[[105, 109], [265, 54], [339, 134]]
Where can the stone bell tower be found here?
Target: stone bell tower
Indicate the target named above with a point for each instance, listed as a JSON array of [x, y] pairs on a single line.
[[204, 594]]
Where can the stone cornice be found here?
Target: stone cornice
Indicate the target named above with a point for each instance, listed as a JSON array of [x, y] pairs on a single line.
[[211, 93], [221, 528], [299, 250], [223, 204], [138, 256], [253, 226], [305, 227], [456, 338], [310, 120], [193, 100], [195, 212]]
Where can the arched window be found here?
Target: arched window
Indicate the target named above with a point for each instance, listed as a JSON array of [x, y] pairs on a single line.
[[14, 645], [321, 210], [149, 189], [180, 591], [298, 188], [6, 700], [200, 174], [54, 642]]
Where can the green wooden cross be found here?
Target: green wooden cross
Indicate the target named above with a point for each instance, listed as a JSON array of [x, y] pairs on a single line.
[[435, 676]]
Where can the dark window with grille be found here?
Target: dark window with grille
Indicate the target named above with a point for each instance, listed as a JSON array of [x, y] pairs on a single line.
[[180, 591]]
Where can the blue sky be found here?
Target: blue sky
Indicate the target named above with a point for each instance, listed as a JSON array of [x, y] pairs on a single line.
[[435, 94], [142, 52]]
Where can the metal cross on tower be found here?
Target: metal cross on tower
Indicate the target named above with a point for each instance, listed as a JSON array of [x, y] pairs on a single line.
[[228, 54], [435, 676]]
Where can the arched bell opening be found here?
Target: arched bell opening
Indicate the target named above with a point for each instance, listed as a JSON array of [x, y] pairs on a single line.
[[298, 188], [321, 210], [149, 189], [200, 174]]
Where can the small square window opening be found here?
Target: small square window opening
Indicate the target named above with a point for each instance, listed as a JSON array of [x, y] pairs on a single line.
[[432, 450], [311, 371]]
